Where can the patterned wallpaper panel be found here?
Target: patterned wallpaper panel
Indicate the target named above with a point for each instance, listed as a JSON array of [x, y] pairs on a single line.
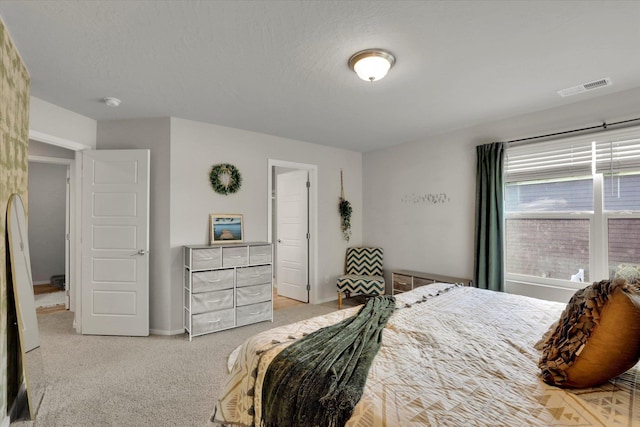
[[14, 142]]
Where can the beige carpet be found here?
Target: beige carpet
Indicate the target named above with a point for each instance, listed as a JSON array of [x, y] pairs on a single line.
[[152, 381]]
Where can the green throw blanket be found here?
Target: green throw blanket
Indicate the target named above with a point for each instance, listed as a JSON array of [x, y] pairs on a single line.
[[318, 380]]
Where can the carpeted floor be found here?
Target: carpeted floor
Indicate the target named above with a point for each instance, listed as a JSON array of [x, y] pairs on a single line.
[[127, 381]]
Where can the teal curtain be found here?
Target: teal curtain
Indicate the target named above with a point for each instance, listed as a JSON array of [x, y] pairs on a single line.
[[489, 232]]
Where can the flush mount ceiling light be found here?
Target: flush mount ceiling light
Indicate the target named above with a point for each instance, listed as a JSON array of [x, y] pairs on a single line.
[[372, 64], [111, 102]]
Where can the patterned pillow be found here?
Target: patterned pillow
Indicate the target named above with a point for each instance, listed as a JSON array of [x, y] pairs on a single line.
[[629, 272], [597, 337]]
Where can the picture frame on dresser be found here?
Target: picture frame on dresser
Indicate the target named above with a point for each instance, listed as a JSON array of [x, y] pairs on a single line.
[[226, 228]]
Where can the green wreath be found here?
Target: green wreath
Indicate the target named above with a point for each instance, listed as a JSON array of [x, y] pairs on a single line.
[[225, 178]]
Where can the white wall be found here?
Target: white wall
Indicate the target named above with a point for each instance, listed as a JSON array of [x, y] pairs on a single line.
[[59, 125], [401, 188], [196, 147], [182, 153], [153, 134], [47, 210], [438, 237], [41, 149], [382, 187]]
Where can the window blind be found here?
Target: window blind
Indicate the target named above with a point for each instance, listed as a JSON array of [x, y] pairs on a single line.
[[614, 151], [618, 152], [551, 159]]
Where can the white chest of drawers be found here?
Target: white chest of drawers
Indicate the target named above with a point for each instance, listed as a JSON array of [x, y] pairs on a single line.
[[226, 286]]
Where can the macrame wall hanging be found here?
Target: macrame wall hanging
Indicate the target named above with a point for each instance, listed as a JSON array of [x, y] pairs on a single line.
[[345, 212]]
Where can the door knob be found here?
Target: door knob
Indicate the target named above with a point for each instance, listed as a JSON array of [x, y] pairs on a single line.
[[279, 241], [140, 252]]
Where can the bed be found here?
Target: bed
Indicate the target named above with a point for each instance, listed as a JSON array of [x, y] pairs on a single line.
[[450, 356]]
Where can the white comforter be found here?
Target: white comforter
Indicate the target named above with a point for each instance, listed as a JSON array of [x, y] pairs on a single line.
[[464, 357]]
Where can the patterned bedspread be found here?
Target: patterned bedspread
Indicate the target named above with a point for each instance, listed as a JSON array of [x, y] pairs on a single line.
[[450, 356]]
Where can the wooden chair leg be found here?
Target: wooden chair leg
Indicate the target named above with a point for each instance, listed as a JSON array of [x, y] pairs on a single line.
[[339, 300]]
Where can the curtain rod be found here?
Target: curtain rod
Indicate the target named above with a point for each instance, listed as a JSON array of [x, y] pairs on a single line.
[[603, 126]]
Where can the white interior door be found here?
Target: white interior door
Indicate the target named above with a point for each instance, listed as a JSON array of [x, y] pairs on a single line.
[[67, 241], [292, 228], [115, 242]]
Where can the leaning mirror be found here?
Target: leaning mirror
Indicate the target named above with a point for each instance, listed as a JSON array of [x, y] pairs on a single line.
[[33, 381]]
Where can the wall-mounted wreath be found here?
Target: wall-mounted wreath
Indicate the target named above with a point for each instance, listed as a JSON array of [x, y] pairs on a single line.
[[225, 178]]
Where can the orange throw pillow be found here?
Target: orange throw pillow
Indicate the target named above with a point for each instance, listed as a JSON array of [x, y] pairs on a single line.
[[597, 337]]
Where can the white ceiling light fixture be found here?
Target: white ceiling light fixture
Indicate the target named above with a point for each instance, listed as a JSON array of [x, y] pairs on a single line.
[[111, 102], [372, 64]]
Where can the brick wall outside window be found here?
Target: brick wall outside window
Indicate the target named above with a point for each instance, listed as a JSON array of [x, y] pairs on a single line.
[[551, 248]]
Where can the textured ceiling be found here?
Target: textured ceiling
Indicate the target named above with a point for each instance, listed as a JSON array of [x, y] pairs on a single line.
[[280, 67]]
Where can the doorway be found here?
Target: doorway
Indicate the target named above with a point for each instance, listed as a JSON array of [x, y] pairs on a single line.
[[46, 148], [294, 223], [51, 172], [48, 224]]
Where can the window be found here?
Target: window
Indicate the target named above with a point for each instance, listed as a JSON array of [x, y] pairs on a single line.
[[573, 208]]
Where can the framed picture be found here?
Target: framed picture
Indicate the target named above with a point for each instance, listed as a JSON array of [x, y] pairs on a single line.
[[225, 228]]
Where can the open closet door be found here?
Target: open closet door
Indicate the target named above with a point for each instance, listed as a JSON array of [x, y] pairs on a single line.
[[292, 201], [67, 242], [115, 242]]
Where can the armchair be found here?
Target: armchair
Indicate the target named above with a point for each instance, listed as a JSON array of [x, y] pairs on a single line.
[[363, 273]]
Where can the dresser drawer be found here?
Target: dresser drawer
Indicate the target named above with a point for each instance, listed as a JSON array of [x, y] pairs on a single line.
[[253, 313], [259, 254], [212, 321], [208, 301], [248, 276], [232, 257], [401, 283], [252, 294], [202, 259], [211, 280]]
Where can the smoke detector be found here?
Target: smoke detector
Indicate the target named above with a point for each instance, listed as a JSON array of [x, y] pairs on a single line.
[[584, 87], [111, 102]]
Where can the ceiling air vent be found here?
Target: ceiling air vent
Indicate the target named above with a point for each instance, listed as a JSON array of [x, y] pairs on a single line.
[[596, 84]]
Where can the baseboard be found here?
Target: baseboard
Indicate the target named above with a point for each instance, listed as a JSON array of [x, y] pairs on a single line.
[[165, 332], [40, 282]]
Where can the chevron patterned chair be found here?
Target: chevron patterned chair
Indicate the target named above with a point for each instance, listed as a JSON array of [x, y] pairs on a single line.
[[363, 273]]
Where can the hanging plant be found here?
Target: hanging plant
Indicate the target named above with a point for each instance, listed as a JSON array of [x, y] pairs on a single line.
[[225, 178], [345, 213]]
